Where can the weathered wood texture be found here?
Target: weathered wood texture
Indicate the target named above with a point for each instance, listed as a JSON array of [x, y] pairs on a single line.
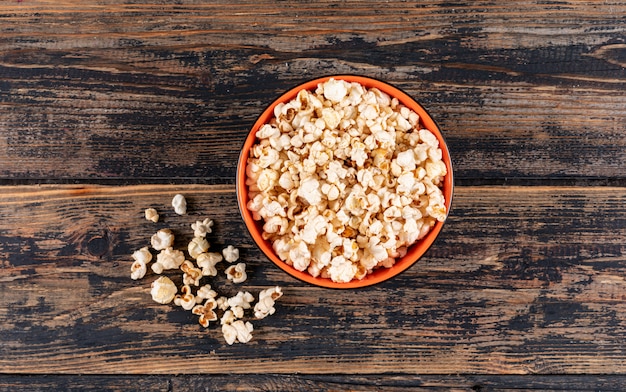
[[524, 290], [544, 294], [305, 383], [94, 91]]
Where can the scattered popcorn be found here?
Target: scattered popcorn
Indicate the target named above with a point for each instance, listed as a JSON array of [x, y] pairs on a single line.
[[139, 267], [191, 274], [357, 183], [206, 292], [237, 273], [167, 259], [196, 295], [180, 204], [138, 270], [197, 246], [207, 262], [222, 303], [162, 239], [238, 331], [152, 215], [202, 228], [228, 317], [242, 299], [185, 299], [238, 311], [231, 254], [163, 290], [267, 298], [206, 312]]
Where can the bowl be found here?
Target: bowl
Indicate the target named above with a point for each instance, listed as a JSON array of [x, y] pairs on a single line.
[[414, 252]]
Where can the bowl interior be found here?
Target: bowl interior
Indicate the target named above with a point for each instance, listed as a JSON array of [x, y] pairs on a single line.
[[255, 227]]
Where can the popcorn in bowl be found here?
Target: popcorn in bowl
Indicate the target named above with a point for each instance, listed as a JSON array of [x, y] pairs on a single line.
[[341, 180]]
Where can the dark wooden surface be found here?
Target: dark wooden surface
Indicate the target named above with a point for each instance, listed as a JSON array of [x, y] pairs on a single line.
[[107, 108]]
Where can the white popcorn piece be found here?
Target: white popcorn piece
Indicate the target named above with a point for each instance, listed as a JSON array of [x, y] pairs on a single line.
[[163, 290], [168, 259], [191, 274], [180, 204], [342, 270], [185, 299], [142, 255], [238, 311], [207, 262], [151, 214], [335, 90], [202, 228], [138, 270], [265, 306], [206, 292], [206, 312], [228, 317], [238, 331], [162, 239], [222, 303], [197, 246], [242, 299], [237, 273], [231, 254]]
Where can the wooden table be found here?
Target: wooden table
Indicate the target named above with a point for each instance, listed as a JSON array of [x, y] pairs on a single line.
[[107, 108]]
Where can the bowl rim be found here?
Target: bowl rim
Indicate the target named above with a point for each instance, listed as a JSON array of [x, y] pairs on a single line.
[[415, 251]]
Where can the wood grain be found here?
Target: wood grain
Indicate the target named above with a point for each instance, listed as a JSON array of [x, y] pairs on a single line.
[[109, 107], [521, 89], [544, 295], [304, 383]]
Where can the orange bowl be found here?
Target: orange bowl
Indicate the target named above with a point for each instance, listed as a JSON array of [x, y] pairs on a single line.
[[414, 252]]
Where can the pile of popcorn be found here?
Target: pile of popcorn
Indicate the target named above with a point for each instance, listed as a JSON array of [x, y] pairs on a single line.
[[194, 294], [344, 179]]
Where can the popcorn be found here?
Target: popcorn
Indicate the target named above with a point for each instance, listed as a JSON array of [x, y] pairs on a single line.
[[231, 254], [191, 274], [207, 262], [142, 255], [185, 299], [238, 331], [228, 317], [138, 270], [206, 302], [206, 312], [344, 162], [206, 292], [162, 239], [341, 270], [202, 228], [167, 259], [265, 306], [197, 246], [163, 290], [237, 273], [180, 204], [151, 215], [242, 299]]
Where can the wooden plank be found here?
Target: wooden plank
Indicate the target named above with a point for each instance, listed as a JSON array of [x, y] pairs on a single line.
[[303, 383], [545, 294], [43, 383], [521, 89]]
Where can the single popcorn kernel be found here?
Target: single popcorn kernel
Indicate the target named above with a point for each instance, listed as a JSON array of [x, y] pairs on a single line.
[[237, 273], [162, 239], [180, 204], [163, 290], [358, 182], [152, 215]]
